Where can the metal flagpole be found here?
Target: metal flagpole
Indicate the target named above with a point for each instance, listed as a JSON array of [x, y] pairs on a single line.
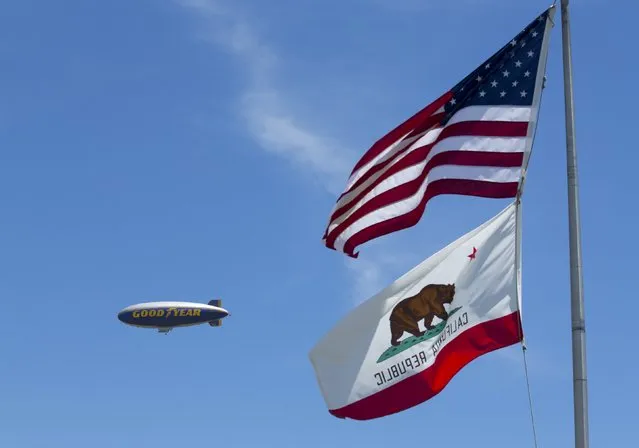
[[580, 390]]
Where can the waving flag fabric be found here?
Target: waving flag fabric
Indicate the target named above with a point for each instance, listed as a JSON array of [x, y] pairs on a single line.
[[405, 344], [473, 140]]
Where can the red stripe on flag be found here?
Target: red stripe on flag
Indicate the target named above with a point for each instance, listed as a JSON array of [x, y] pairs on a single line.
[[401, 130], [464, 187], [428, 124], [463, 128], [468, 346], [410, 188], [467, 128]]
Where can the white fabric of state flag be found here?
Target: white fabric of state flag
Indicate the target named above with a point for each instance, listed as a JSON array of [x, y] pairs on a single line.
[[382, 358]]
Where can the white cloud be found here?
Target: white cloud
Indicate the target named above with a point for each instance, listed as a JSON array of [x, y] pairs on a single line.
[[269, 115], [371, 276], [277, 131]]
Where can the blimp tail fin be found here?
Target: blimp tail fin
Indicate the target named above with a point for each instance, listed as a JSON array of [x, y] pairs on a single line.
[[217, 322]]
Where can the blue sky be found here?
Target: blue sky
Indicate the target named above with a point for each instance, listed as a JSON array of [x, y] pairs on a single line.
[[189, 150]]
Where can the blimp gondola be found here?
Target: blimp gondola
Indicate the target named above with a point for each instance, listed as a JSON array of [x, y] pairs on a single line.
[[165, 316]]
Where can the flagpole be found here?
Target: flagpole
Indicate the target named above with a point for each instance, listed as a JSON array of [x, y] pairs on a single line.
[[580, 390]]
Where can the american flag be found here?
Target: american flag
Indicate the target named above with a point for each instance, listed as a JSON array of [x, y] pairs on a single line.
[[473, 140]]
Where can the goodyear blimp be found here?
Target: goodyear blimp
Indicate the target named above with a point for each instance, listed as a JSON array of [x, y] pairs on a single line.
[[166, 316]]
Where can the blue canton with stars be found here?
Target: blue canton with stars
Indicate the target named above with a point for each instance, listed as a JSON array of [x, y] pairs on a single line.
[[508, 77]]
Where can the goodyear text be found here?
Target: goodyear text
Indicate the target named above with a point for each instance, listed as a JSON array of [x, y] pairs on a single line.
[[171, 312]]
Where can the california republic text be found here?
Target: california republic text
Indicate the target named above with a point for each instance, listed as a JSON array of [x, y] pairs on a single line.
[[452, 327], [399, 369]]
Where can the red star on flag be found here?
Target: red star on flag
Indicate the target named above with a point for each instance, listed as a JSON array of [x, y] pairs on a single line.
[[472, 256]]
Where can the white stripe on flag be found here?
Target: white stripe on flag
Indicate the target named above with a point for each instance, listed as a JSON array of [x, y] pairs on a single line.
[[402, 207], [456, 143]]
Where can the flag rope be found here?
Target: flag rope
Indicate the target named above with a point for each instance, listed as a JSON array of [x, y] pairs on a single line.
[[523, 341], [530, 406]]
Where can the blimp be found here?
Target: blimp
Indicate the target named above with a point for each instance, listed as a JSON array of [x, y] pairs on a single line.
[[165, 316]]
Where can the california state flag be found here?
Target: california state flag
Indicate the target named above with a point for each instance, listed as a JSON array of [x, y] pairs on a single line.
[[404, 345]]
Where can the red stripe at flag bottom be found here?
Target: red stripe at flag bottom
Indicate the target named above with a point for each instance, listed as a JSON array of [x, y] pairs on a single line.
[[468, 346]]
